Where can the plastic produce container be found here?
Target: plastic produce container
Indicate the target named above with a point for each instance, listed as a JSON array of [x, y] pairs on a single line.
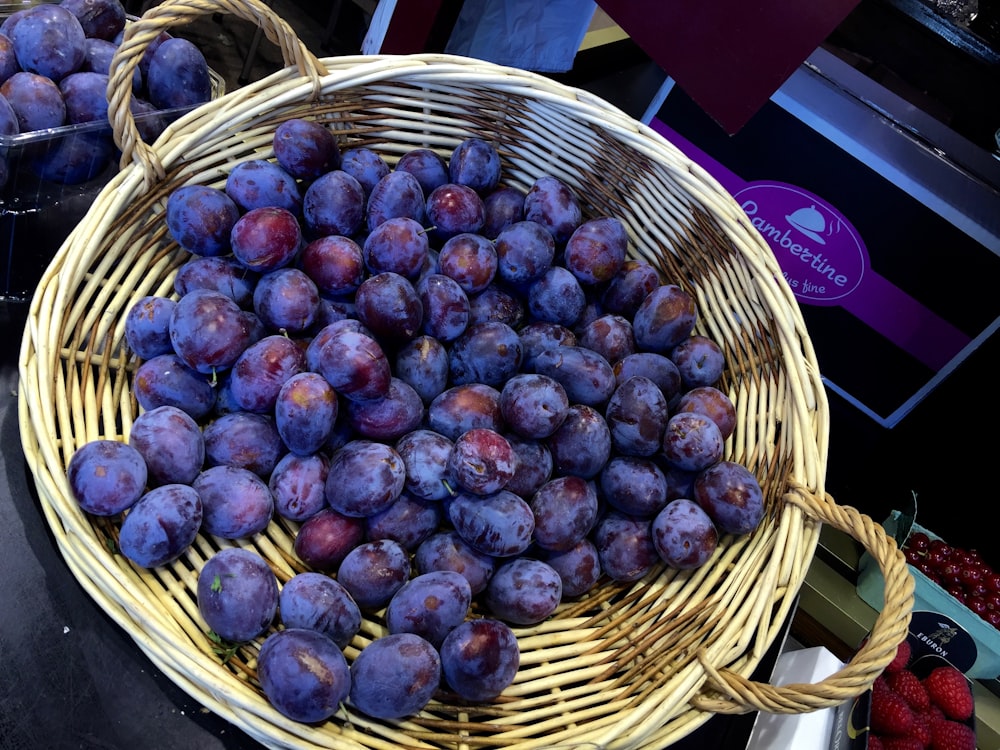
[[48, 180], [852, 721], [940, 623]]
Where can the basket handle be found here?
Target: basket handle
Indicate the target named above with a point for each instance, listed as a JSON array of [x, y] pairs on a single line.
[[140, 33], [890, 628]]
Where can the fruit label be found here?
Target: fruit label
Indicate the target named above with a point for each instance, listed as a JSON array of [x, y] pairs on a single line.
[[936, 633]]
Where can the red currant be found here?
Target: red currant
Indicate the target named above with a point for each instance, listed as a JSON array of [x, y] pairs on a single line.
[[978, 605], [912, 556], [951, 574], [976, 589], [935, 559], [918, 541], [970, 576], [939, 547], [964, 558]]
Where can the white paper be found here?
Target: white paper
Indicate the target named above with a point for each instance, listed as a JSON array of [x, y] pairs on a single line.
[[808, 731]]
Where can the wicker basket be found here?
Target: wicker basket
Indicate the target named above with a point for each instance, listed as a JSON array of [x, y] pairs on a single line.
[[631, 665]]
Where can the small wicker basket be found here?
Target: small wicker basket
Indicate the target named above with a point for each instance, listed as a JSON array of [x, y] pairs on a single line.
[[629, 666]]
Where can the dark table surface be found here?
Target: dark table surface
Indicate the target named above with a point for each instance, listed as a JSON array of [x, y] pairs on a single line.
[[75, 680]]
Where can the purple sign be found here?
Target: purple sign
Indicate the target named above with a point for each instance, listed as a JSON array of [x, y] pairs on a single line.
[[821, 256], [825, 262]]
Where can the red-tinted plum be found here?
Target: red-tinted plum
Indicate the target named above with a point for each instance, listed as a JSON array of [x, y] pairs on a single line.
[[684, 535], [595, 252], [480, 658], [306, 149], [731, 495], [325, 538]]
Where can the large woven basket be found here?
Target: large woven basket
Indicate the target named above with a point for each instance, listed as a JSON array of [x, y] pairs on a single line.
[[637, 665]]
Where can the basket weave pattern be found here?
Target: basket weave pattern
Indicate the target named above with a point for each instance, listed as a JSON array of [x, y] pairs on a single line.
[[630, 665]]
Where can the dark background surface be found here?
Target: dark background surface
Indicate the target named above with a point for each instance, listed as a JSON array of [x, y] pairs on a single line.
[[74, 679]]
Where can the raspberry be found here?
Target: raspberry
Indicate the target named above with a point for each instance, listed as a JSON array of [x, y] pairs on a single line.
[[880, 684], [921, 729], [952, 735], [902, 743], [874, 742], [910, 687], [949, 690], [890, 714], [901, 659]]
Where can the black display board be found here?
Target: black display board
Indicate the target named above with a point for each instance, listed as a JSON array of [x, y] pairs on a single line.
[[907, 419], [894, 296]]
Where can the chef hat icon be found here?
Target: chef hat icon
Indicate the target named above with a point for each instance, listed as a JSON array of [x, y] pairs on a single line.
[[809, 221]]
